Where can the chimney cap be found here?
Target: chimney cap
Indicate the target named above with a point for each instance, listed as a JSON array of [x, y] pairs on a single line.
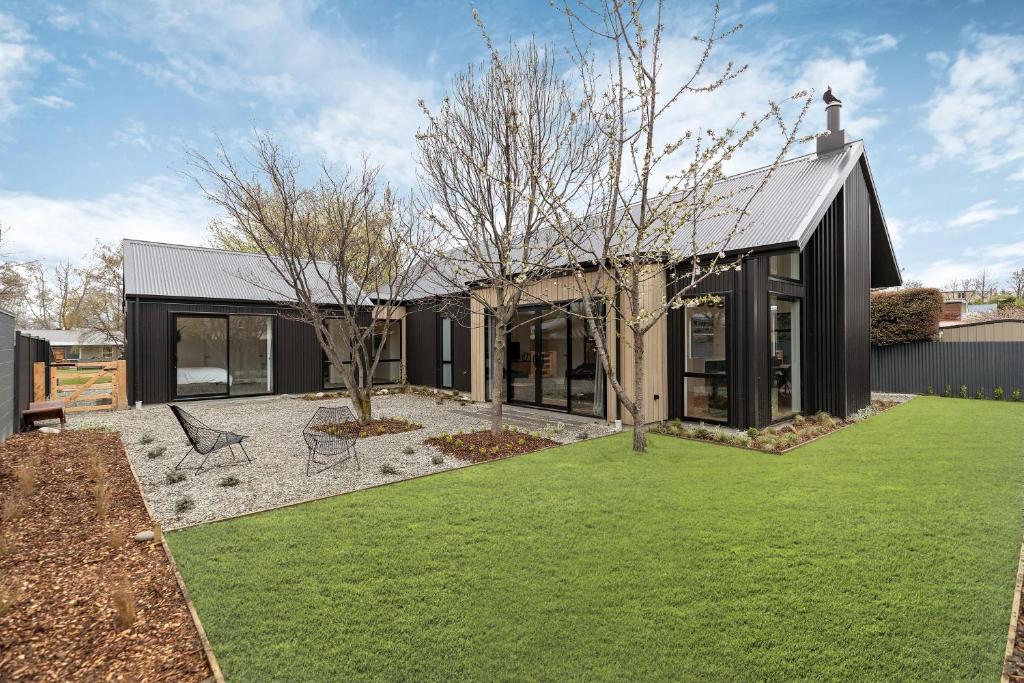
[[829, 97]]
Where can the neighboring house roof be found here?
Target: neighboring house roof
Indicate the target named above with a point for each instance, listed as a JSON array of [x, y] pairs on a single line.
[[73, 337], [784, 215]]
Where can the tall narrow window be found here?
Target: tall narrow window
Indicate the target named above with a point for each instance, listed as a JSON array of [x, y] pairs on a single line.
[[251, 353], [784, 346], [389, 367], [706, 380], [333, 378], [586, 376], [201, 356], [446, 354]]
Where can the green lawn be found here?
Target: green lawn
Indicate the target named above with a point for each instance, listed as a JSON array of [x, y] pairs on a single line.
[[885, 551]]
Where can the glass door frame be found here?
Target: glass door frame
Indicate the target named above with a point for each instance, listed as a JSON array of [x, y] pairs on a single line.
[[538, 346], [727, 376], [768, 352], [173, 343]]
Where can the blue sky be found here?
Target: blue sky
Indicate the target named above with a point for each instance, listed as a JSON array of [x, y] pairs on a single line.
[[98, 100]]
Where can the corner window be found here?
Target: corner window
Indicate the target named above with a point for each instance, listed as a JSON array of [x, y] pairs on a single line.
[[785, 265], [706, 381]]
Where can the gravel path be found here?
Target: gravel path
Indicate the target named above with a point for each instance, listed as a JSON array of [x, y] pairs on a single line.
[[277, 475]]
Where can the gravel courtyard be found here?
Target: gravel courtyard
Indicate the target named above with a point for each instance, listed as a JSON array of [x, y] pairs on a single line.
[[277, 475]]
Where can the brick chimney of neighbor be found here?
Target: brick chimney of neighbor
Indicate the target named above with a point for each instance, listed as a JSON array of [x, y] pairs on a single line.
[[836, 137]]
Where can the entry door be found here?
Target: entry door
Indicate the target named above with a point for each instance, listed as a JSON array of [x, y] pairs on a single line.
[[201, 356], [553, 359]]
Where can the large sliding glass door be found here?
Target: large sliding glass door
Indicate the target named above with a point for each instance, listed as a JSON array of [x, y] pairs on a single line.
[[784, 347], [223, 355], [705, 376], [552, 361]]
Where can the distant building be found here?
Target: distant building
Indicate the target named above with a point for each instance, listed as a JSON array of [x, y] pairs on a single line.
[[79, 344]]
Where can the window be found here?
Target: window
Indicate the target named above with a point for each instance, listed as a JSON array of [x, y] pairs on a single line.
[[705, 376], [333, 379], [446, 353], [784, 346], [250, 354], [389, 366], [586, 377], [223, 355], [786, 265]]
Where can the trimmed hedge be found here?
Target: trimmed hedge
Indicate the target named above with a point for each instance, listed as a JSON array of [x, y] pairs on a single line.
[[905, 315]]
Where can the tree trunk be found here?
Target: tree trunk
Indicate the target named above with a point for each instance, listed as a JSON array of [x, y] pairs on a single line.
[[639, 418], [361, 402], [497, 378]]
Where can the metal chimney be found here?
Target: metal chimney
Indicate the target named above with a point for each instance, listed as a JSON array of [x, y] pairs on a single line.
[[836, 137]]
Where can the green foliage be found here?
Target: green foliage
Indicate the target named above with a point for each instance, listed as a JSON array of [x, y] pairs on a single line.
[[1015, 395], [184, 504], [997, 393], [753, 432], [408, 450], [388, 468], [930, 391], [948, 392], [963, 391], [980, 393], [175, 476], [848, 555], [229, 481], [146, 439], [437, 459], [156, 452], [905, 315]]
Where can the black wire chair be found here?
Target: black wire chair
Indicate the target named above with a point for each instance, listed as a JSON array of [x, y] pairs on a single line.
[[206, 440], [326, 444]]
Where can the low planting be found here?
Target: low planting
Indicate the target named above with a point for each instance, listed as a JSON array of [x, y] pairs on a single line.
[[774, 439], [378, 427], [979, 393], [480, 446]]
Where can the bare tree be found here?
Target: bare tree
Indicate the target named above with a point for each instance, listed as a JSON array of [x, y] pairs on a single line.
[[509, 132], [656, 185], [1017, 283], [912, 284], [305, 233], [102, 309], [14, 285]]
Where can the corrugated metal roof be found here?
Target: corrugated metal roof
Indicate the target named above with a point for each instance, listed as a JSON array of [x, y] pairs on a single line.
[[785, 212]]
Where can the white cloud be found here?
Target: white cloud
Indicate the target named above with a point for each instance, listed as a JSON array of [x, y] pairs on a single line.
[[868, 46], [329, 93], [53, 102], [976, 114], [133, 134], [61, 19], [981, 213], [19, 58], [53, 228], [998, 260], [937, 59], [763, 9]]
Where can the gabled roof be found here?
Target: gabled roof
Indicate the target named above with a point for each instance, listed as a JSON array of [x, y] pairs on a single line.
[[783, 215]]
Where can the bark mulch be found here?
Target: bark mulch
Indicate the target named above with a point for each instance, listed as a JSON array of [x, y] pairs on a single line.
[[62, 574], [482, 446], [379, 427]]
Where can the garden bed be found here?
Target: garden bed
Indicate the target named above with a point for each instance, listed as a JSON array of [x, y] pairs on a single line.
[[378, 427], [69, 557], [481, 446], [775, 439]]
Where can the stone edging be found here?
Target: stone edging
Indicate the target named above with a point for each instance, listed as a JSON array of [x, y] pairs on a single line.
[[1011, 638], [211, 658]]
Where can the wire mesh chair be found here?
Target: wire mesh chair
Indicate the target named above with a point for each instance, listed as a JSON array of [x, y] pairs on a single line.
[[325, 444], [206, 440]]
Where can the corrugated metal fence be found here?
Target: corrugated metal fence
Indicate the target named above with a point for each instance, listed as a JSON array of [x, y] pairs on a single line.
[[913, 368], [18, 353], [7, 335]]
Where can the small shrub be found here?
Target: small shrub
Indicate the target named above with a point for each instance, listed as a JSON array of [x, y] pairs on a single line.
[[408, 450], [459, 443], [753, 432], [824, 420], [101, 498], [582, 436], [124, 603], [980, 393], [436, 459], [229, 481], [184, 504], [948, 393], [26, 476], [175, 476], [494, 449], [963, 391], [521, 441], [156, 452], [721, 436], [701, 432], [1015, 395], [12, 507], [997, 394], [146, 439], [930, 391], [388, 468], [116, 538]]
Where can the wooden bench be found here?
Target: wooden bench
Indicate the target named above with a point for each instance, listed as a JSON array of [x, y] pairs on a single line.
[[43, 410]]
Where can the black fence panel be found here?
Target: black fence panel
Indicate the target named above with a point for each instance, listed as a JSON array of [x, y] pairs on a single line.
[[27, 351], [7, 334], [914, 368]]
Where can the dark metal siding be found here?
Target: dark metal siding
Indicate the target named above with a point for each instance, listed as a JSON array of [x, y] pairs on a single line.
[[8, 418], [857, 292], [913, 368], [423, 329], [297, 356], [27, 351]]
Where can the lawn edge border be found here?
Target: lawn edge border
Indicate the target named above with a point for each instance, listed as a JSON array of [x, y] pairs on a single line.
[[317, 499], [211, 658], [1011, 638]]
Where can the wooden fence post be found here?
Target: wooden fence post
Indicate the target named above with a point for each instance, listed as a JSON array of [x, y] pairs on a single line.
[[120, 393], [39, 382]]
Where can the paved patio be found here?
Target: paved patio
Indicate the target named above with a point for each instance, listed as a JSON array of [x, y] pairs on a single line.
[[277, 477]]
